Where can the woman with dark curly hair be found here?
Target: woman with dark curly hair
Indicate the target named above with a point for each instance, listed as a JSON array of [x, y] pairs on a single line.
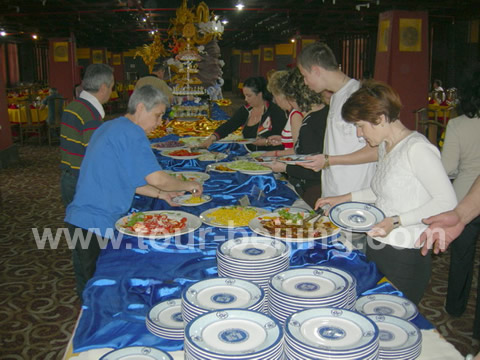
[[260, 118], [461, 159], [310, 138]]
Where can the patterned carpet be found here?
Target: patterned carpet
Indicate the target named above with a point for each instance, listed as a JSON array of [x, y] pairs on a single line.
[[38, 305]]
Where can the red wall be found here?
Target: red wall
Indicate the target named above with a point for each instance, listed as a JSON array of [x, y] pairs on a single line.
[[406, 71], [62, 75]]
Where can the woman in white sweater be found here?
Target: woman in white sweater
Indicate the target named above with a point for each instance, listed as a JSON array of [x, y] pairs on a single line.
[[409, 185]]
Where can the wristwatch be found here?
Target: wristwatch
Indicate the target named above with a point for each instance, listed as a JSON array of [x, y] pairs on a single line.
[[396, 221], [326, 165]]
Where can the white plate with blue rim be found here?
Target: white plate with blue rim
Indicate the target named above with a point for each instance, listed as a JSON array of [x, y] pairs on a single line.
[[167, 314], [234, 333], [332, 328], [222, 293], [137, 353], [397, 335], [253, 248], [386, 304], [309, 283], [356, 216]]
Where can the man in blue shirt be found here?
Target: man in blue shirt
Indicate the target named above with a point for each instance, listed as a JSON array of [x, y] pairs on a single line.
[[118, 164]]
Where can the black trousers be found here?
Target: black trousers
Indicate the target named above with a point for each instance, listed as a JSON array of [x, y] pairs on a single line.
[[462, 257], [84, 258], [407, 269]]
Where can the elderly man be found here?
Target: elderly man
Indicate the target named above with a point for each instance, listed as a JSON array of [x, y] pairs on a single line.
[[156, 80], [79, 120], [119, 162]]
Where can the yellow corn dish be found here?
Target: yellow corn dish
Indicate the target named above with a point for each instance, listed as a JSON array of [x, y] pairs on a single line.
[[240, 216]]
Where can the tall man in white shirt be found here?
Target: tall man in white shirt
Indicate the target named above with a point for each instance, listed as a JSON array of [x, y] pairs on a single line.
[[320, 69]]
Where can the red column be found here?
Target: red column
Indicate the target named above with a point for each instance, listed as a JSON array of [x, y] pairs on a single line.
[[5, 131], [402, 58]]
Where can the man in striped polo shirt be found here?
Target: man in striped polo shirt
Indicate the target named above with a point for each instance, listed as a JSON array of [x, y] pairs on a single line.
[[79, 120]]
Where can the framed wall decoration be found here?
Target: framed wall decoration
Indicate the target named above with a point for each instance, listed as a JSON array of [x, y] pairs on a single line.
[[97, 56], [267, 54], [383, 36], [117, 59], [60, 51], [410, 32]]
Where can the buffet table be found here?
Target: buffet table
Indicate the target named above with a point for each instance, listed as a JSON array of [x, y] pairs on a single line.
[[134, 275]]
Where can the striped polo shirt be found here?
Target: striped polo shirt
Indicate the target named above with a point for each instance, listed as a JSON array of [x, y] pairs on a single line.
[[79, 120]]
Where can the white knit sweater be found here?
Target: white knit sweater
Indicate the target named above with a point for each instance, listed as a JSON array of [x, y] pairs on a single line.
[[411, 182]]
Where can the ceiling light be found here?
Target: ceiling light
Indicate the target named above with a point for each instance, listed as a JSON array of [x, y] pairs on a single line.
[[224, 21], [3, 33], [35, 37], [292, 40], [240, 5]]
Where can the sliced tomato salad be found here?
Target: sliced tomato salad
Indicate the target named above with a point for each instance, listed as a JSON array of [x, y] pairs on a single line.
[[155, 224], [183, 153]]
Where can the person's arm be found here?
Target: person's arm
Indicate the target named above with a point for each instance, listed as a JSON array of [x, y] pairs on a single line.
[[162, 180], [295, 124], [447, 226], [278, 118], [152, 191], [366, 154], [238, 119], [451, 150]]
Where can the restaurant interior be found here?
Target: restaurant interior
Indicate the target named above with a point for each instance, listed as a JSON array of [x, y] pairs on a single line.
[[50, 43]]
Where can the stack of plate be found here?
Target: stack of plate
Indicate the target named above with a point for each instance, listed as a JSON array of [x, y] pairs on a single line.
[[165, 320], [399, 338], [330, 333], [255, 259], [386, 304], [352, 280], [298, 289], [233, 334], [220, 293]]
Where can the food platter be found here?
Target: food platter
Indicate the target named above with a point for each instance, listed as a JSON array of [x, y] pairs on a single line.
[[189, 175], [191, 141], [231, 216], [220, 168], [293, 229], [249, 167], [293, 159], [182, 154], [175, 223], [356, 216], [168, 145], [212, 156], [190, 200]]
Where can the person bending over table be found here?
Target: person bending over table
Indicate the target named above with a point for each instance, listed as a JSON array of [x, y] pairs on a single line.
[[276, 85], [118, 164], [307, 182], [260, 118], [409, 184]]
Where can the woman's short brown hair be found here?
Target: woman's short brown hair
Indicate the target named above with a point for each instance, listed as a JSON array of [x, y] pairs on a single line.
[[373, 99]]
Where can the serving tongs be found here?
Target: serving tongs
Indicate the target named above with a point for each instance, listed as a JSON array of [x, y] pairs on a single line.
[[317, 213]]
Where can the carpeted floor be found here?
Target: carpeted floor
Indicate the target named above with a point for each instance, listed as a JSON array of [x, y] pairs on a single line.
[[38, 305]]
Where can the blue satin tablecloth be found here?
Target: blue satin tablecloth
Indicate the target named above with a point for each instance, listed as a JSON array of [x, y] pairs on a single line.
[[132, 276]]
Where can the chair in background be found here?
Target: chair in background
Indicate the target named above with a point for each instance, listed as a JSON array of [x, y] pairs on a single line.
[[54, 127], [27, 126], [428, 126]]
